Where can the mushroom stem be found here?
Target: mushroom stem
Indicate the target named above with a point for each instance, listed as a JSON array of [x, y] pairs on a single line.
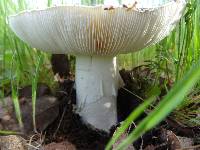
[[97, 83]]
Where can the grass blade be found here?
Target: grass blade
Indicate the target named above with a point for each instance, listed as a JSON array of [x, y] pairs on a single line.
[[14, 87], [4, 132], [34, 88]]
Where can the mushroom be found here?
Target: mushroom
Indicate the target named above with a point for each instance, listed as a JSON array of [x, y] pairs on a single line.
[[95, 36]]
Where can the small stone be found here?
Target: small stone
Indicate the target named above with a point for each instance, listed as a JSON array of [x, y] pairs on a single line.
[[150, 147], [12, 142], [6, 117], [60, 146]]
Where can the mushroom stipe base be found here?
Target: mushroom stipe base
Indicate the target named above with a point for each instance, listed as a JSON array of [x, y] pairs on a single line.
[[97, 83]]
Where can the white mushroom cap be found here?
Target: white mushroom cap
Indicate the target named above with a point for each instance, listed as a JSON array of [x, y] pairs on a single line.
[[89, 30]]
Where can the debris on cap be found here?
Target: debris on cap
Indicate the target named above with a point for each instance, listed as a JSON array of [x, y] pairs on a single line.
[[109, 7], [131, 6]]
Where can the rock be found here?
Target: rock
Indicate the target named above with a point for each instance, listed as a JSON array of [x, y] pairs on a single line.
[[12, 142], [6, 117], [47, 110]]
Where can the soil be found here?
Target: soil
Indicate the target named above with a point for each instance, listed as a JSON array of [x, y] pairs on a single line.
[[63, 129]]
